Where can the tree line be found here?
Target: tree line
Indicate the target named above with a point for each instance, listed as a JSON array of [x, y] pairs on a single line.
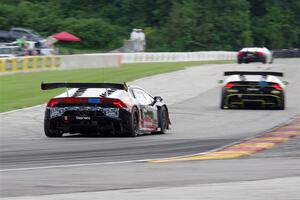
[[169, 25]]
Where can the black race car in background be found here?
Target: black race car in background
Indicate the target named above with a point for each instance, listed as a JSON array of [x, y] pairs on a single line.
[[104, 108], [255, 54], [259, 89]]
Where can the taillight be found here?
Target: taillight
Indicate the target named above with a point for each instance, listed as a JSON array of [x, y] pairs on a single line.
[[72, 100], [86, 101], [229, 85], [277, 86], [260, 53], [68, 100], [53, 102], [240, 53], [118, 103]]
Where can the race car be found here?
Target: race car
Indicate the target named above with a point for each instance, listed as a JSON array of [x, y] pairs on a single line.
[[253, 89], [96, 108], [255, 54]]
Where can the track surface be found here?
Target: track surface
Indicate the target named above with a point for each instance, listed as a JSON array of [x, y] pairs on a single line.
[[198, 125]]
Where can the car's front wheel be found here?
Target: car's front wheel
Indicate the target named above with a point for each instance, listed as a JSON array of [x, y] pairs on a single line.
[[163, 120]]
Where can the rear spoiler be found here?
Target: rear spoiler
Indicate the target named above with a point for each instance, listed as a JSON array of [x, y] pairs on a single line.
[[49, 86], [263, 73]]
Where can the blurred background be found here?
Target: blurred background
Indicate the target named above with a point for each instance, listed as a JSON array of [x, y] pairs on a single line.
[[169, 25]]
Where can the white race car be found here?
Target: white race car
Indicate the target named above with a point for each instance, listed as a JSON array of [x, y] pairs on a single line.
[[255, 54]]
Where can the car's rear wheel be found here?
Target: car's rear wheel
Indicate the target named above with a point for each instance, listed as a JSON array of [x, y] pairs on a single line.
[[282, 105], [51, 132], [222, 104], [132, 129], [163, 120]]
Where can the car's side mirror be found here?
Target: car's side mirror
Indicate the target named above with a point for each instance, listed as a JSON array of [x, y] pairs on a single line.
[[220, 81], [285, 82], [156, 99]]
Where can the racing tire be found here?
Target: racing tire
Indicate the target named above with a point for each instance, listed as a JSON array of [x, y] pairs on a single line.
[[132, 129], [282, 106], [264, 61], [163, 120], [49, 132], [222, 104]]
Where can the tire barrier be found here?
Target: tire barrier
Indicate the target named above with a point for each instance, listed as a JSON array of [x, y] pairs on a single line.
[[286, 53], [17, 64]]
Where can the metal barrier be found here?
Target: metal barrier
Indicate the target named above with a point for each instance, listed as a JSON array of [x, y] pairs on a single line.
[[29, 63]]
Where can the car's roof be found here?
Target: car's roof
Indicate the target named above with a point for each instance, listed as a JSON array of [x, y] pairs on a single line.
[[254, 49]]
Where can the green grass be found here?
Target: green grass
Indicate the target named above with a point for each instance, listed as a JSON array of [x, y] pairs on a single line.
[[23, 90]]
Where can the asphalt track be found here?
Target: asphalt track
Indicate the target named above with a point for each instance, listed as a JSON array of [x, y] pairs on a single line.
[[111, 167]]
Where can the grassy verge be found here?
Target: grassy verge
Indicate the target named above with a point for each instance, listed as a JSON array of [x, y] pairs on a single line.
[[23, 90]]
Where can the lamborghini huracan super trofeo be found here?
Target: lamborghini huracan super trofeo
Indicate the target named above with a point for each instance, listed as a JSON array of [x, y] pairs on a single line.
[[260, 89], [255, 54], [112, 108]]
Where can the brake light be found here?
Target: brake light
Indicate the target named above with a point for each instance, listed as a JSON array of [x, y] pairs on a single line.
[[72, 100], [118, 103], [277, 86], [68, 100], [260, 53], [95, 101], [240, 53], [53, 102], [229, 85]]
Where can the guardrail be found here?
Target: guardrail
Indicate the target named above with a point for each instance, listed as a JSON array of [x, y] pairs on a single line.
[[28, 63]]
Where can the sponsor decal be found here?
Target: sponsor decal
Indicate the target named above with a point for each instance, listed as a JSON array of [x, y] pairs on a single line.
[[82, 118]]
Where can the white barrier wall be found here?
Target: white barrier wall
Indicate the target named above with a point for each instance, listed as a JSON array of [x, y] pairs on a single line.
[[177, 56], [90, 61], [20, 64]]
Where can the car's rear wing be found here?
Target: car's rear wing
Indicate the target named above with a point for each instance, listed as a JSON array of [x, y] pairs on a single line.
[[49, 86], [263, 73]]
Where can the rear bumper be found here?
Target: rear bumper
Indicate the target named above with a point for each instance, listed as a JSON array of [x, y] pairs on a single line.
[[88, 124], [75, 124], [244, 100], [244, 59]]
